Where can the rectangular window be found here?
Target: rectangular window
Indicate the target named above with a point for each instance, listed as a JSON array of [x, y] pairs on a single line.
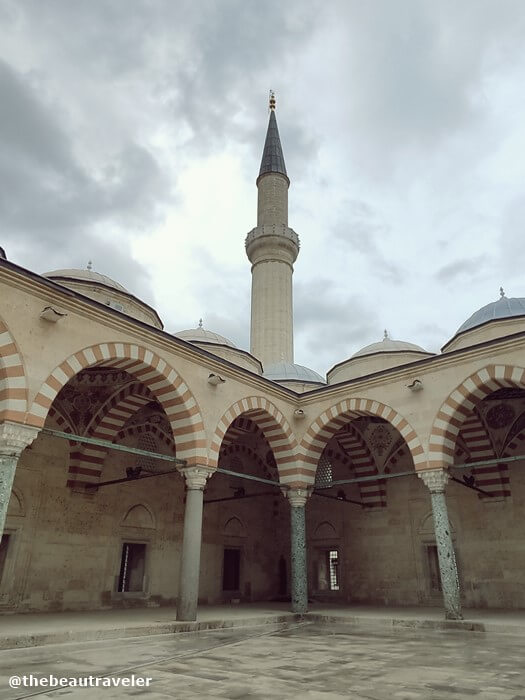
[[433, 568], [132, 567], [4, 545], [232, 570], [333, 567]]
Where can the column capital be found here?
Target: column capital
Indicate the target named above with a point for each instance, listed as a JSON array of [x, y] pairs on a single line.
[[196, 476], [435, 479], [297, 497], [15, 437]]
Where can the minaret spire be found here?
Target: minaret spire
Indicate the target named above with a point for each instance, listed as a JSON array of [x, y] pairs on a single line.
[[272, 158], [272, 248]]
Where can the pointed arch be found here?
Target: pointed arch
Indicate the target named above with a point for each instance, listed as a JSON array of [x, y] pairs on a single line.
[[13, 382], [271, 422], [492, 478], [323, 428], [86, 460], [373, 493], [461, 403], [165, 384], [240, 449]]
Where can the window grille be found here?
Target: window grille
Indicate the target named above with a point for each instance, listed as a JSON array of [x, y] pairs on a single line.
[[147, 442], [323, 475]]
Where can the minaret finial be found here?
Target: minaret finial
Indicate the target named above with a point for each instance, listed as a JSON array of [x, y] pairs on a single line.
[[501, 292], [385, 334], [89, 265], [200, 322], [272, 100]]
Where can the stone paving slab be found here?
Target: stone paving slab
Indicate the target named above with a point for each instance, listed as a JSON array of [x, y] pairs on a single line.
[[284, 662]]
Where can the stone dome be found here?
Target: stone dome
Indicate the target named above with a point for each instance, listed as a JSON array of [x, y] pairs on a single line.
[[286, 371], [503, 308], [85, 276], [388, 345], [202, 335]]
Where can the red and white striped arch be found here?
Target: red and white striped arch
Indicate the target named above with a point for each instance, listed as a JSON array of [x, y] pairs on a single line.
[[13, 385], [492, 478], [243, 450], [273, 425], [333, 419], [373, 493], [165, 384], [87, 460], [462, 402]]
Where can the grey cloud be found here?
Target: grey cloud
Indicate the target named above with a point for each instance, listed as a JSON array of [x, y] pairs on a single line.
[[331, 327], [50, 204], [473, 267], [359, 229]]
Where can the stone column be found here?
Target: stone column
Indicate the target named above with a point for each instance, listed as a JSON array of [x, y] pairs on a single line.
[[14, 438], [436, 480], [196, 478], [298, 498]]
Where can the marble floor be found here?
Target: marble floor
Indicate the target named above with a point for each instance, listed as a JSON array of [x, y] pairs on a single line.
[[300, 660]]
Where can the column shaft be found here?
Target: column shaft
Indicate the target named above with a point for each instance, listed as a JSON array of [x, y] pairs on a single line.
[[191, 554], [298, 559], [7, 476], [446, 556]]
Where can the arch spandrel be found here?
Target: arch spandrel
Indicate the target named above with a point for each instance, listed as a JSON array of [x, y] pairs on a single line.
[[155, 373], [324, 427], [460, 403]]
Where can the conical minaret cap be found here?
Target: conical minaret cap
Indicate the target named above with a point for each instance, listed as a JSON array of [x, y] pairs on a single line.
[[272, 158]]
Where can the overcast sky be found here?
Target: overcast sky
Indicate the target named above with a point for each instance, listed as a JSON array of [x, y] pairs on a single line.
[[131, 133]]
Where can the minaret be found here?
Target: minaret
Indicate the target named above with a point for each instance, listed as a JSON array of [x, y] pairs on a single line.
[[272, 248]]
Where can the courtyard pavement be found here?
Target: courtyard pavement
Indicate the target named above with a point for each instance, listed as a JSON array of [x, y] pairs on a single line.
[[33, 629], [299, 660]]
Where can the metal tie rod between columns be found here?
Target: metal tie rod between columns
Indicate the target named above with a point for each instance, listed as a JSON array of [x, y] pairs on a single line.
[[111, 445]]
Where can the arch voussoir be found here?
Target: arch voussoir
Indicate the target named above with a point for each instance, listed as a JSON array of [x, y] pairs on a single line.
[[164, 383], [269, 420], [325, 426], [461, 402]]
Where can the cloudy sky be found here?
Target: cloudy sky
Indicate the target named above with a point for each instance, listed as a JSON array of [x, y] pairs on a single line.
[[131, 133]]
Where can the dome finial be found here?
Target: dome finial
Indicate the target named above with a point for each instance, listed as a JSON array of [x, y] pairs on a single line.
[[385, 334], [89, 265], [200, 322], [501, 292], [272, 101]]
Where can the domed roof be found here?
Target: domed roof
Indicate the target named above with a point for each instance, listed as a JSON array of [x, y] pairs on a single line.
[[389, 345], [286, 371], [87, 275], [201, 335], [503, 308]]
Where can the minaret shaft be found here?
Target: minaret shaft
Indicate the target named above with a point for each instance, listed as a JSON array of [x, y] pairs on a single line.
[[272, 248]]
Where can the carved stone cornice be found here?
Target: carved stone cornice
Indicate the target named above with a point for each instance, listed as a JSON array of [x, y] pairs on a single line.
[[15, 437], [196, 477], [435, 479]]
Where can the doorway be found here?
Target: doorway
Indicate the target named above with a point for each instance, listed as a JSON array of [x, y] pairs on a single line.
[[231, 573], [132, 567]]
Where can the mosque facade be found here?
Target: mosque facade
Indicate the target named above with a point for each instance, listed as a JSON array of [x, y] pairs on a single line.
[[143, 468]]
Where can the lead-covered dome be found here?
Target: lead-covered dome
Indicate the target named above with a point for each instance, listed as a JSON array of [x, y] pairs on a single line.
[[203, 335], [388, 345], [385, 354], [85, 276], [106, 291], [494, 320], [296, 377], [219, 345]]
